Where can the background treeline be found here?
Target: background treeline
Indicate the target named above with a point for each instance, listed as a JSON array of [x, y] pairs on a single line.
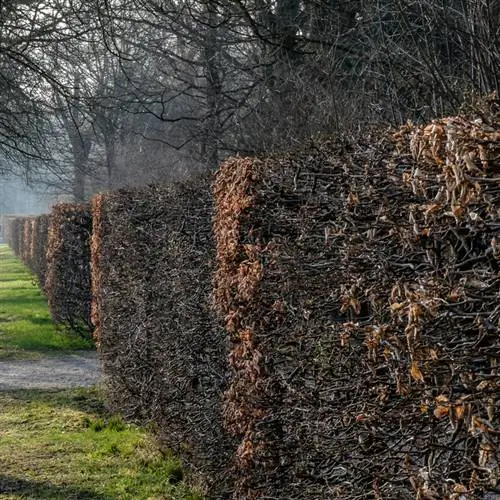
[[317, 324], [104, 94]]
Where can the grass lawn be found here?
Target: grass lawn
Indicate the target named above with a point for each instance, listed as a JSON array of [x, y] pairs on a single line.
[[26, 329], [64, 444]]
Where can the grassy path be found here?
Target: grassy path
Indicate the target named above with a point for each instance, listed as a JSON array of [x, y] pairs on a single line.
[[26, 330], [63, 443]]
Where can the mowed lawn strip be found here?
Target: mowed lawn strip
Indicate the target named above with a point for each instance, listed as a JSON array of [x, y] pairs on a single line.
[[26, 329], [63, 443]]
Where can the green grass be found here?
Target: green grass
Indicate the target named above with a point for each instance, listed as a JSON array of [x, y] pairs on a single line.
[[62, 444], [26, 329]]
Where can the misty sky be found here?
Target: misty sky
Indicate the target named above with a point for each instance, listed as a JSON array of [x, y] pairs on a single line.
[[17, 198]]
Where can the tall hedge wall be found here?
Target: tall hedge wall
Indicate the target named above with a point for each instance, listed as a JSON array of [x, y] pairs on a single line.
[[26, 253], [15, 234], [163, 354], [360, 290], [67, 280], [39, 247], [27, 236]]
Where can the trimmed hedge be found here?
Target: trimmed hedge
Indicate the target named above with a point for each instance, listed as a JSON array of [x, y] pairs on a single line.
[[26, 252], [163, 354], [360, 292], [39, 247], [27, 236], [15, 234], [67, 282]]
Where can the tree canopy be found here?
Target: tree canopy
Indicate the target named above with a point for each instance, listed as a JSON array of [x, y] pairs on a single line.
[[97, 94]]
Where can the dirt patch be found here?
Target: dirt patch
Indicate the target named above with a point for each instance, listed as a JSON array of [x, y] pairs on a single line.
[[70, 370]]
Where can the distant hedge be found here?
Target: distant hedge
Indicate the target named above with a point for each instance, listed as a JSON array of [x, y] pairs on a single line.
[[15, 234], [358, 285], [360, 292], [163, 354], [26, 252], [67, 280], [39, 247]]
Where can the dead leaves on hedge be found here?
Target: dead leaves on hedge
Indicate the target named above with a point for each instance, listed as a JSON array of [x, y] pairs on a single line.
[[403, 250]]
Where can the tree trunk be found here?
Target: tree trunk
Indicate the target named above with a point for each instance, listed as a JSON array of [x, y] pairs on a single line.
[[212, 132]]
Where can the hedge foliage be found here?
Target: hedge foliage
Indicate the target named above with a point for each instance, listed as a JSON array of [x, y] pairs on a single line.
[[67, 279], [358, 287], [15, 234], [27, 236], [360, 290], [39, 244], [56, 249], [164, 355]]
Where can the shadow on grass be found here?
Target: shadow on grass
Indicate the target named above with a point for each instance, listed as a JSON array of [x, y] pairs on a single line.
[[42, 489], [25, 303], [85, 400], [39, 321]]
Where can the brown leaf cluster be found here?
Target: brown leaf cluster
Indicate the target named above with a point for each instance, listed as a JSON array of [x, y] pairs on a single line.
[[360, 285]]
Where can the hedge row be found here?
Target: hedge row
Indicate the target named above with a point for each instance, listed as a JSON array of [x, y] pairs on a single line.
[[39, 247], [15, 234], [20, 238], [67, 281], [56, 248], [358, 288], [164, 355], [341, 283]]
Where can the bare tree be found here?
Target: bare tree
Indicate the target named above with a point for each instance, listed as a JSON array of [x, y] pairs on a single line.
[[79, 132], [32, 70], [117, 91]]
